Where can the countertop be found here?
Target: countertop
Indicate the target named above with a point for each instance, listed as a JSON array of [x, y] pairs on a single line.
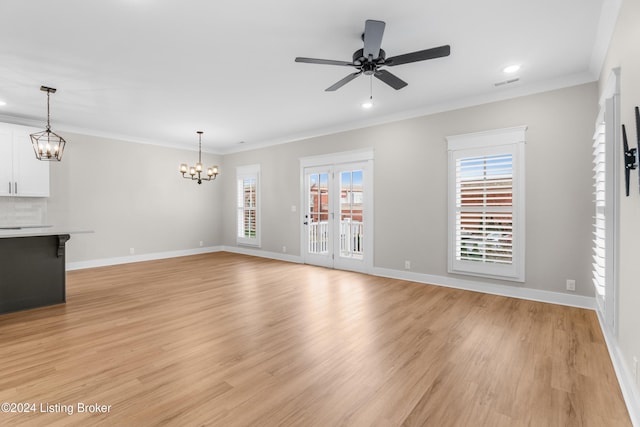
[[31, 231]]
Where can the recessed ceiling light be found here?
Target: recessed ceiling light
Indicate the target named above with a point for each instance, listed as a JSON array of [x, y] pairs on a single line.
[[2, 103], [511, 69], [368, 103]]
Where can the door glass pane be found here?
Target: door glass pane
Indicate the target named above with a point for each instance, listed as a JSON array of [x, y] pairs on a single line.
[[318, 215], [351, 215]]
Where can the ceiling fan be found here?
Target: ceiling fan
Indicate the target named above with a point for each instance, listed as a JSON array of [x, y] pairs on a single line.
[[371, 58]]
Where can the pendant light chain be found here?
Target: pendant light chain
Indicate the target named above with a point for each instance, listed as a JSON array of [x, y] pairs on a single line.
[[48, 112]]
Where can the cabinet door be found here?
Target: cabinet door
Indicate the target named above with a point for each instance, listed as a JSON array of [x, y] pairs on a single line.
[[6, 163], [30, 174]]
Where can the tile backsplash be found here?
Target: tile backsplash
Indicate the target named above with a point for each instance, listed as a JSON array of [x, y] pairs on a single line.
[[23, 211]]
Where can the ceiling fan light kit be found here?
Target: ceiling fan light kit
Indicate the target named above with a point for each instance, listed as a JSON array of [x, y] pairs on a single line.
[[371, 58]]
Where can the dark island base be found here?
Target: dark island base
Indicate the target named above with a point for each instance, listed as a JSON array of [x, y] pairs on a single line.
[[32, 272]]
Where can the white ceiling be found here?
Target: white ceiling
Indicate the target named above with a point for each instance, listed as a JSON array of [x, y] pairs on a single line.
[[158, 71]]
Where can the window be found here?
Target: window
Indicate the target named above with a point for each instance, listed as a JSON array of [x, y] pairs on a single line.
[[486, 204], [248, 205]]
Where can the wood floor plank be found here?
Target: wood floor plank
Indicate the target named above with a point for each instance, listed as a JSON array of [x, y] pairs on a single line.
[[230, 340]]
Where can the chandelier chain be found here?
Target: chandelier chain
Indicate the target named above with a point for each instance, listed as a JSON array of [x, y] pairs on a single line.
[[48, 112]]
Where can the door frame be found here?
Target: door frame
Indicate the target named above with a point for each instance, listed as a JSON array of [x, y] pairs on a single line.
[[332, 160]]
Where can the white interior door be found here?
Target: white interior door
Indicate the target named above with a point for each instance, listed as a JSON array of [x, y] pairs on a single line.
[[336, 225]]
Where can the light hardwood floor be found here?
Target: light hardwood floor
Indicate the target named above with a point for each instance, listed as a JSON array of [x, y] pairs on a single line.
[[229, 340]]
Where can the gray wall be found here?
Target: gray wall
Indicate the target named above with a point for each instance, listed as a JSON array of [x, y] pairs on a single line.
[[132, 196], [411, 193], [624, 52]]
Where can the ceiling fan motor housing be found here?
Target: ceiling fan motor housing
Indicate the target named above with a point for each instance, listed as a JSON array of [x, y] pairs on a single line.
[[359, 59]]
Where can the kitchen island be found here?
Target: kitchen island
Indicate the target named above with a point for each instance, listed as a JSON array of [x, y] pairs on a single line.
[[32, 267]]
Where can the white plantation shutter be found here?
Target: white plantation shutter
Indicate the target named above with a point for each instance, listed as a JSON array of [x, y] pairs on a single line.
[[605, 199], [599, 223], [484, 209], [607, 163], [248, 204], [486, 204]]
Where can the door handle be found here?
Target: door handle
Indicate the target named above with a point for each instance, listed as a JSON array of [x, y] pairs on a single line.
[[15, 187], [305, 223], [9, 187]]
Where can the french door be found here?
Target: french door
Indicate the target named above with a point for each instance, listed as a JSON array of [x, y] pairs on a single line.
[[337, 217]]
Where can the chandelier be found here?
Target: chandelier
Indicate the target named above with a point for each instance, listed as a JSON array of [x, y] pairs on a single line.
[[47, 144], [196, 171]]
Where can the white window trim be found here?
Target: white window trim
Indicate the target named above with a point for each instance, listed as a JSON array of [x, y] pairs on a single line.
[[243, 172], [467, 145]]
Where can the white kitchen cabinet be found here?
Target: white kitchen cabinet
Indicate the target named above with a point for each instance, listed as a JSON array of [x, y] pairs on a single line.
[[21, 174]]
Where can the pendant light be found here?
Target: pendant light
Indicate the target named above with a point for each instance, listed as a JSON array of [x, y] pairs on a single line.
[[195, 171], [47, 144]]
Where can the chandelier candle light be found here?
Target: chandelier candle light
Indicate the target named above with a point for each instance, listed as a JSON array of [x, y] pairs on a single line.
[[195, 171], [47, 144]]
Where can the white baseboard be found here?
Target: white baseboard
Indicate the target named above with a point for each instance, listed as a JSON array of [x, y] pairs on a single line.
[[103, 262], [630, 392], [263, 254], [490, 288]]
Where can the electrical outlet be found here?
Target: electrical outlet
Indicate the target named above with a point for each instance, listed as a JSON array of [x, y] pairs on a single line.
[[293, 208], [132, 251], [571, 285], [284, 249], [201, 243], [407, 265]]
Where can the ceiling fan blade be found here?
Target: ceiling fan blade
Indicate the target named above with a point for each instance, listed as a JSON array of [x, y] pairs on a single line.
[[421, 55], [373, 31], [342, 82], [324, 61], [390, 79]]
